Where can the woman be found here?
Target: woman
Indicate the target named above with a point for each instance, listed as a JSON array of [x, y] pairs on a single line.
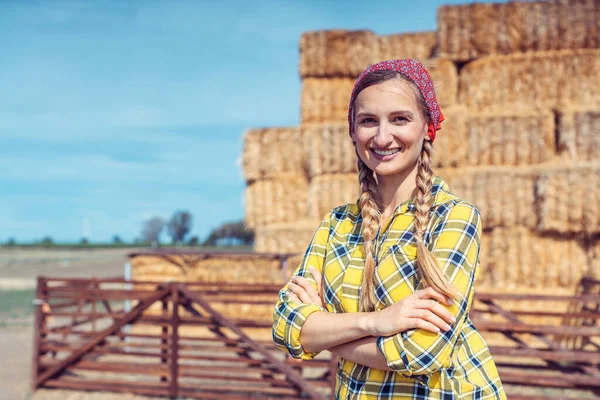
[[387, 282]]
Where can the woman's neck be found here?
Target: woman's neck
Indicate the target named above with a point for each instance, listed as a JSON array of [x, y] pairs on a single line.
[[396, 189]]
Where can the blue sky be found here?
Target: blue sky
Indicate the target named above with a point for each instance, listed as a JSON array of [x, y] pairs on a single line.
[[113, 112]]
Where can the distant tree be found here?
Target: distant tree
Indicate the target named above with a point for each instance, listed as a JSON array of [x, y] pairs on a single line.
[[179, 226], [117, 239], [231, 230], [47, 241], [151, 230], [84, 240], [193, 241], [11, 242]]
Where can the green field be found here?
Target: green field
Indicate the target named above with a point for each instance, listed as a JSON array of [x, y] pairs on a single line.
[[15, 305]]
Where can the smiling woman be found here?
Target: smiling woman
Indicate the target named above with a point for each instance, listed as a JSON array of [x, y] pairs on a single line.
[[387, 282]]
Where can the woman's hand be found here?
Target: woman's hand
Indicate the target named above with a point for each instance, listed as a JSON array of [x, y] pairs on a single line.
[[301, 289], [418, 310]]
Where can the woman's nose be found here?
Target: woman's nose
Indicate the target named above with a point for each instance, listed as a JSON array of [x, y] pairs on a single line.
[[383, 138]]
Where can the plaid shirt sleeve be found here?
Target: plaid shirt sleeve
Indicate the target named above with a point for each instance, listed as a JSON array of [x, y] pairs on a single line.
[[289, 316], [455, 243]]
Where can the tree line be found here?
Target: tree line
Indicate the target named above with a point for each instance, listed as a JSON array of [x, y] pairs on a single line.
[[178, 228]]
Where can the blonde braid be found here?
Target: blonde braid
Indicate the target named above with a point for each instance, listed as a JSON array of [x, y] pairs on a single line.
[[428, 265], [371, 215]]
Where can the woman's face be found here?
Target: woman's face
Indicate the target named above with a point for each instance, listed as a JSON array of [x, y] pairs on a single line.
[[388, 127]]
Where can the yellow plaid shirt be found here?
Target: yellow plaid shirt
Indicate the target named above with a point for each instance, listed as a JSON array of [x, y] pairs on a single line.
[[449, 365]]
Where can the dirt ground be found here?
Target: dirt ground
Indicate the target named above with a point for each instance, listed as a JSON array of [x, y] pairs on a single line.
[[18, 272]]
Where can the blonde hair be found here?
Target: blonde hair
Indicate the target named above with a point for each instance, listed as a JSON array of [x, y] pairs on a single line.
[[370, 207]]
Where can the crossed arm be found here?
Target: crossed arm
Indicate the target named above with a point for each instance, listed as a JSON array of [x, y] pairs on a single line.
[[412, 335]]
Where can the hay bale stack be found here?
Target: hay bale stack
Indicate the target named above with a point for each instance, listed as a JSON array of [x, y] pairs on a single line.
[[558, 79], [278, 200], [567, 199], [270, 152], [418, 45], [325, 100], [579, 134], [445, 80], [337, 53], [509, 138], [329, 149], [468, 31], [285, 238], [326, 192], [504, 196], [449, 149], [517, 257]]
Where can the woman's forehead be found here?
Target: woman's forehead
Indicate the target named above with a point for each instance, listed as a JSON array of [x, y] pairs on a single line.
[[391, 94]]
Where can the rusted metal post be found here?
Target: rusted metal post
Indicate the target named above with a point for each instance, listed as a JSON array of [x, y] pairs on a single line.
[[95, 286], [174, 384], [40, 299], [164, 339], [333, 364]]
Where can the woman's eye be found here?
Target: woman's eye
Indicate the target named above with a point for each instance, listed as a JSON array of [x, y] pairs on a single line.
[[367, 120], [400, 119]]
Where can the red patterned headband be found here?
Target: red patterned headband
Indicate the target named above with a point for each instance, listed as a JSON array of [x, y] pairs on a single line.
[[414, 71]]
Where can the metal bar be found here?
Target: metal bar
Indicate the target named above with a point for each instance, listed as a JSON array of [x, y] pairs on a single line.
[[76, 355], [37, 335], [174, 383], [292, 375]]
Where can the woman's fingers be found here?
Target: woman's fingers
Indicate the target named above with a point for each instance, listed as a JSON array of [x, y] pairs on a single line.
[[304, 289], [431, 318], [292, 296], [436, 308], [422, 324], [318, 280], [430, 293], [300, 293]]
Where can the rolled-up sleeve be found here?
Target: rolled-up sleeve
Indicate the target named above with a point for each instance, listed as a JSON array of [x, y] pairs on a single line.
[[289, 316], [455, 244]]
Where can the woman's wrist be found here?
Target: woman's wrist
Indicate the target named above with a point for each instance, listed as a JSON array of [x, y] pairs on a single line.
[[365, 324]]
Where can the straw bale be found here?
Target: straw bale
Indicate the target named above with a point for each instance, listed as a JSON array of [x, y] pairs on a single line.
[[285, 238], [556, 79], [449, 149], [567, 199], [578, 134], [329, 149], [274, 201], [271, 152], [594, 257], [337, 53], [445, 80], [503, 195], [419, 45], [325, 100], [510, 138], [517, 257], [227, 267], [469, 31], [326, 192]]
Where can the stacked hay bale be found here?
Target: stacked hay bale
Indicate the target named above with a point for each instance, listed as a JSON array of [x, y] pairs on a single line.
[[519, 85], [529, 81]]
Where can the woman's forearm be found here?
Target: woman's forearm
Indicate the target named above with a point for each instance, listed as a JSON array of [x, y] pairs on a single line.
[[323, 330], [362, 351]]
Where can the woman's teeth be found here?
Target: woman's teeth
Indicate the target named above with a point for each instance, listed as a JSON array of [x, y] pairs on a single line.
[[386, 152]]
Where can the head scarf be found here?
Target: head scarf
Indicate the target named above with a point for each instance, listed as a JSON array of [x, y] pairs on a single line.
[[414, 71]]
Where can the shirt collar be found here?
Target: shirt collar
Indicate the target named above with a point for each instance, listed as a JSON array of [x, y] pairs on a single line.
[[439, 190]]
